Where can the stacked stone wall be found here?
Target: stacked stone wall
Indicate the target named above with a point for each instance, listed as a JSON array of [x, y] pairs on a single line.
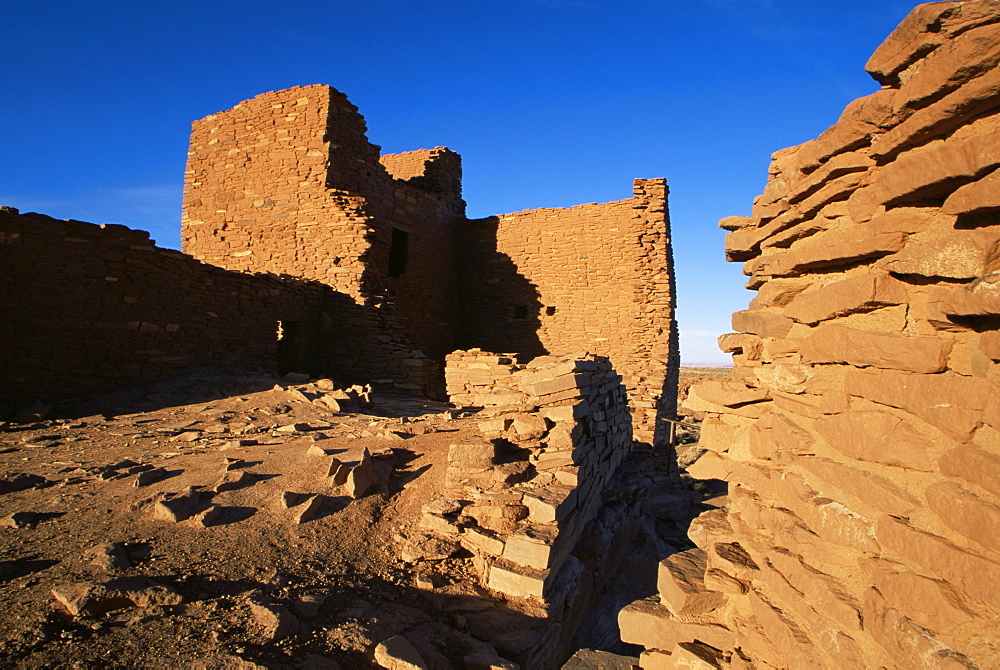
[[860, 431], [595, 278], [92, 307], [553, 436], [523, 494], [288, 183]]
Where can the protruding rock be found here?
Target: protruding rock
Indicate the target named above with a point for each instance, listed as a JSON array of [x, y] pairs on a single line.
[[397, 653], [275, 620], [109, 556], [96, 599]]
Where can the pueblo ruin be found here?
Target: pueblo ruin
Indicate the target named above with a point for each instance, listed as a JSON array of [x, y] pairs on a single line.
[[348, 427]]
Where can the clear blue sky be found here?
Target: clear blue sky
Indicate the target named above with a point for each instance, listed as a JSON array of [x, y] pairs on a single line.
[[551, 103]]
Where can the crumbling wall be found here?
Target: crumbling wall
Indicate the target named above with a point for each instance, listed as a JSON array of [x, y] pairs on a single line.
[[521, 495], [288, 183], [595, 278], [860, 431], [91, 307]]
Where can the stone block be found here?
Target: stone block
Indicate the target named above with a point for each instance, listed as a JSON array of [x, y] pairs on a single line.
[[837, 344], [964, 254], [532, 546], [983, 194], [968, 572], [849, 296], [877, 436], [763, 324], [907, 643], [478, 541], [954, 404], [934, 604], [973, 465], [517, 581], [681, 584], [867, 487], [729, 393], [966, 513], [650, 624], [564, 383], [550, 504]]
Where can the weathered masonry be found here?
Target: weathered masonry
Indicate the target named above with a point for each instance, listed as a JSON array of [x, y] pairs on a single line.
[[88, 307], [287, 183], [860, 431], [306, 250]]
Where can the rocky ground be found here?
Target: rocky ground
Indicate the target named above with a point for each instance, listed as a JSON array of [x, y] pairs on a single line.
[[233, 520]]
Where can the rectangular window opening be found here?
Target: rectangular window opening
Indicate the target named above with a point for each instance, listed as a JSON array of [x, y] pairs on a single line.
[[398, 252]]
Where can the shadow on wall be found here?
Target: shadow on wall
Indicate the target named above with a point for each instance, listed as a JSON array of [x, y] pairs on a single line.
[[500, 309]]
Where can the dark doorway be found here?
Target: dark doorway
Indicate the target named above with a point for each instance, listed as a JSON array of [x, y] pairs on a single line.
[[296, 347], [398, 251]]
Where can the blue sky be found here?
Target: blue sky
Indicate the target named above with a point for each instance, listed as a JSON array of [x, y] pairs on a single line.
[[551, 103]]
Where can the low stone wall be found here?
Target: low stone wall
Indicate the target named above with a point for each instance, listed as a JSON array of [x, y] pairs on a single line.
[[860, 430], [520, 496], [553, 436], [88, 307]]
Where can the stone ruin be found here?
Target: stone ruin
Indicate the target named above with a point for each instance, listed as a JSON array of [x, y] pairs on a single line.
[[307, 252], [859, 431], [318, 255]]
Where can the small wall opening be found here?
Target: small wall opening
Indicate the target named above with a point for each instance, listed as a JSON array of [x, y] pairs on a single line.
[[296, 347], [399, 249]]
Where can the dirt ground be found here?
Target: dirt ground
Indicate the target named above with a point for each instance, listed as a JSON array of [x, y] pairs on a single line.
[[275, 566]]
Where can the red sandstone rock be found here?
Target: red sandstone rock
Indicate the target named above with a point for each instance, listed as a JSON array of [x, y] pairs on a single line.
[[878, 437], [923, 30], [930, 169], [764, 324], [953, 404], [941, 116], [730, 393], [824, 593], [837, 344], [857, 294], [735, 222], [934, 604], [869, 488], [970, 573], [789, 639], [906, 642], [974, 465], [983, 194], [775, 432], [650, 624], [966, 513], [960, 255], [681, 584], [837, 247], [955, 63]]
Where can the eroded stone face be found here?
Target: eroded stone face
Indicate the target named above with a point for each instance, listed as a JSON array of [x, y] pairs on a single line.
[[858, 435]]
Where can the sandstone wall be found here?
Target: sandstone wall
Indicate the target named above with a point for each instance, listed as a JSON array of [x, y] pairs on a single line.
[[860, 432], [91, 307], [595, 278], [288, 183], [523, 496]]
